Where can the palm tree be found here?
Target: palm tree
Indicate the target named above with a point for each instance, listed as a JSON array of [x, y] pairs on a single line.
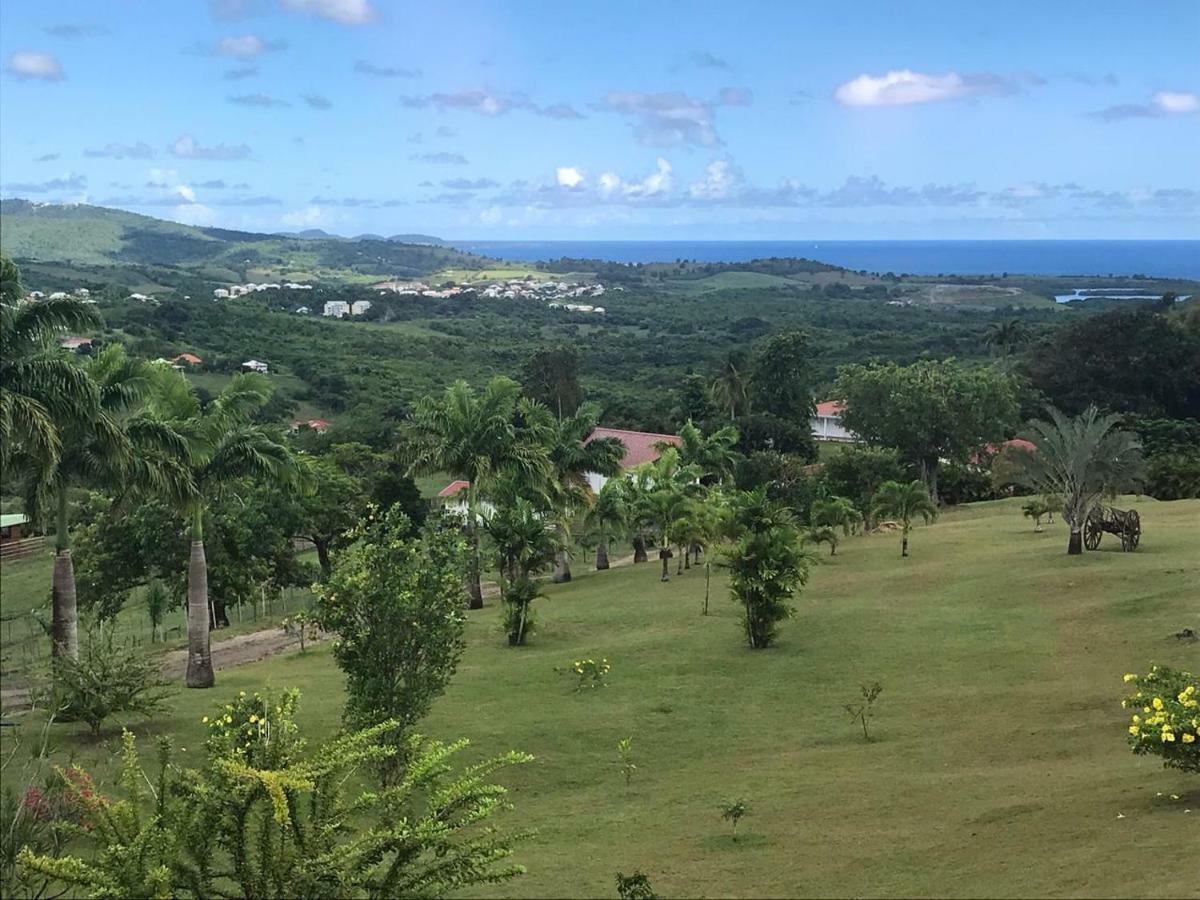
[[731, 386], [904, 503], [835, 513], [475, 438], [607, 518], [114, 444], [221, 446], [524, 545], [1006, 336], [822, 534], [713, 454], [572, 456], [666, 498], [1035, 508], [1081, 459], [39, 384]]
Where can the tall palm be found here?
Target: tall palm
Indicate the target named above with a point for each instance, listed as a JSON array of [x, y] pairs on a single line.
[[665, 503], [1081, 459], [1006, 336], [731, 386], [904, 503], [39, 384], [220, 445], [113, 445], [572, 456], [713, 454], [607, 518], [475, 437]]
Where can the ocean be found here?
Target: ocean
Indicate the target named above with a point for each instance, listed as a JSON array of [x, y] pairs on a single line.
[[1163, 259]]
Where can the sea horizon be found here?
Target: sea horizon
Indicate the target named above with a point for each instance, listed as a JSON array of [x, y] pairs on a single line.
[[1178, 258]]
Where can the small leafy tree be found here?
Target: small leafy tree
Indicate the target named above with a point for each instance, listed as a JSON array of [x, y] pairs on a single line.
[[635, 886], [524, 545], [263, 818], [396, 606], [107, 679], [766, 564], [1166, 716], [904, 503], [625, 758], [861, 712], [823, 535], [1036, 508], [732, 812], [158, 601], [837, 513], [304, 625]]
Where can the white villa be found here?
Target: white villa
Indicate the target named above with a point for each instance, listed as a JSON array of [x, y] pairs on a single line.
[[827, 423]]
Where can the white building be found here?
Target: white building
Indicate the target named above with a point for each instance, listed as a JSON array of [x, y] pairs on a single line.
[[640, 447], [827, 423], [254, 365], [358, 307], [335, 309], [220, 294]]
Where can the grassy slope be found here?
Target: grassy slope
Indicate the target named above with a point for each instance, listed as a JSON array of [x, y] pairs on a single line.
[[1000, 766]]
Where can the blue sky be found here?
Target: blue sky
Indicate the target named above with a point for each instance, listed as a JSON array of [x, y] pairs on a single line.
[[615, 120]]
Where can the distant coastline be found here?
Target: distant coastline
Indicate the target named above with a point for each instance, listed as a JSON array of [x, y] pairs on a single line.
[[1163, 259]]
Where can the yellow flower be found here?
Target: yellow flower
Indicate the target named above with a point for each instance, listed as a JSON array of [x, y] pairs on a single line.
[[204, 721], [1168, 737], [1157, 703], [253, 719], [1189, 738], [1133, 729], [1130, 677]]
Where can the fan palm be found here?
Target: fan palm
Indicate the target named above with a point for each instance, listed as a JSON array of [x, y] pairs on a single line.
[[219, 445], [1081, 459], [39, 384], [475, 438], [904, 503]]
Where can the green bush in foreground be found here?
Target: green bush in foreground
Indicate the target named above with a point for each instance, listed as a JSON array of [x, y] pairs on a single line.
[[263, 819], [1166, 716]]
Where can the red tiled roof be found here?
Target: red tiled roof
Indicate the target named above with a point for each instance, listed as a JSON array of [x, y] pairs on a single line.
[[189, 358], [72, 343], [453, 488], [990, 450], [639, 445], [830, 409], [319, 424]]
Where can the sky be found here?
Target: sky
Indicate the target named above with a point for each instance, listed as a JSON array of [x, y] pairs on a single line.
[[616, 120]]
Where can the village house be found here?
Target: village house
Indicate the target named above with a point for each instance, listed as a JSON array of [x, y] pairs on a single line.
[[188, 359], [827, 423], [335, 309], [358, 307], [75, 344], [319, 425], [254, 365]]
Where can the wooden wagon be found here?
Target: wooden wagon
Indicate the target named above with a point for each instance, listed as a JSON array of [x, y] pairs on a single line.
[[1125, 524]]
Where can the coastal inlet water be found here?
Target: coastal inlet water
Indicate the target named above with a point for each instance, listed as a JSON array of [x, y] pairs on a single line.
[[1162, 259]]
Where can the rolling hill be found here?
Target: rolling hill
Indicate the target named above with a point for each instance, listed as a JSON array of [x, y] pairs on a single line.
[[64, 238]]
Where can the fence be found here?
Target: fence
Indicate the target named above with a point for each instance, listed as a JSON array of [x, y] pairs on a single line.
[[22, 548]]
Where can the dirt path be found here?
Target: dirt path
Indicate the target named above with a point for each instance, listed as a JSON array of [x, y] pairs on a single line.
[[238, 650]]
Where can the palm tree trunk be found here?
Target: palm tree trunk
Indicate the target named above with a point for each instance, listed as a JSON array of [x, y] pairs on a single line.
[[199, 667], [602, 555], [904, 545], [707, 584], [474, 590], [1075, 547], [562, 560], [679, 564], [65, 613], [639, 549]]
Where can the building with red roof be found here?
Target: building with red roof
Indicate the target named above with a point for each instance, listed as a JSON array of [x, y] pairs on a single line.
[[190, 358], [827, 424]]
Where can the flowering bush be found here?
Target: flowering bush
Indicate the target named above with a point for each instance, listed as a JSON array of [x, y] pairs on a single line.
[[255, 729], [1166, 716], [304, 625], [590, 673]]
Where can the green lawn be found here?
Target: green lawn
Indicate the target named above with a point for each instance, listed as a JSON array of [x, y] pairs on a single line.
[[1000, 766]]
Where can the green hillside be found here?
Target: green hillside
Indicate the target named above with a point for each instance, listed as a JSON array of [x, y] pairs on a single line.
[[91, 236]]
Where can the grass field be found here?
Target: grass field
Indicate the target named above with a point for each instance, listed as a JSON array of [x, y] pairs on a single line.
[[999, 766]]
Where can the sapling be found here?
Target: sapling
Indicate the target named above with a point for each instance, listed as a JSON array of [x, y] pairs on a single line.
[[732, 812], [625, 758], [861, 712]]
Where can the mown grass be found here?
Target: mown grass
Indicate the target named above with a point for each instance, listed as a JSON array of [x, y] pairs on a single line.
[[999, 766]]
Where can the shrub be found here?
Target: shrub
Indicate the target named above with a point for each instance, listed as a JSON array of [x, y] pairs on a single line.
[[635, 887], [1166, 717], [1173, 476], [589, 672], [106, 679], [304, 625], [269, 821], [625, 758], [732, 812]]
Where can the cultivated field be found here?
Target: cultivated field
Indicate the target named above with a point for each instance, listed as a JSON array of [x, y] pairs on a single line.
[[999, 766]]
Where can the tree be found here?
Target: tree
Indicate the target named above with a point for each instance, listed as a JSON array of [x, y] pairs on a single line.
[[524, 545], [766, 564], [551, 377], [731, 385], [1135, 360], [713, 455], [904, 502], [607, 518], [39, 385], [1082, 459], [572, 454], [928, 411], [330, 510], [1036, 508], [782, 377], [694, 400], [857, 473], [221, 448], [264, 818], [666, 489], [396, 605], [837, 513], [476, 438], [106, 445], [1005, 337]]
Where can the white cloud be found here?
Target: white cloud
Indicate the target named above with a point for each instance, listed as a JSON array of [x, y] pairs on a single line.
[[1177, 101], [902, 87], [245, 46], [656, 183], [673, 118], [186, 147], [140, 150], [309, 216], [568, 176], [345, 12], [721, 180], [32, 65]]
